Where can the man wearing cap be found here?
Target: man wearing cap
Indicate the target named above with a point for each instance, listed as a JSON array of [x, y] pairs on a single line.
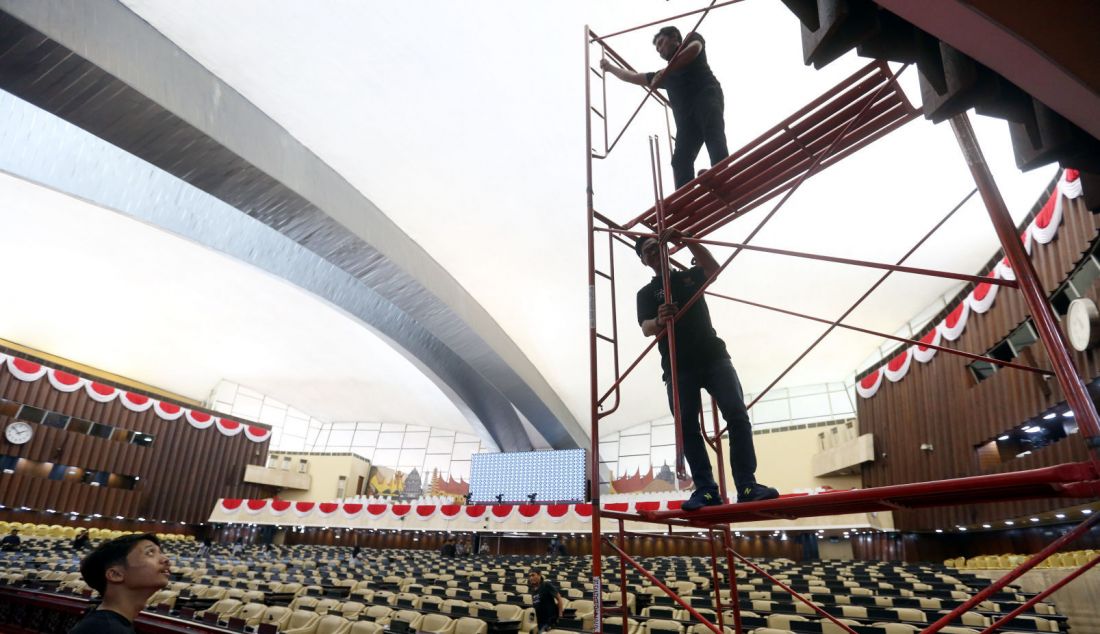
[[125, 572], [546, 600], [701, 363], [698, 105]]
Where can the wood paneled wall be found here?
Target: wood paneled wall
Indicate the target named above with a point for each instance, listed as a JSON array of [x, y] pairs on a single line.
[[182, 474], [938, 547], [941, 403]]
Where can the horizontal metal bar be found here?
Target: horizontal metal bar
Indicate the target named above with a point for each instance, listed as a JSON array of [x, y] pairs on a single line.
[[662, 21]]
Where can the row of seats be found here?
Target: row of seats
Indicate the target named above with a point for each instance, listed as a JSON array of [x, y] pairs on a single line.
[[57, 531], [325, 581], [1070, 559]]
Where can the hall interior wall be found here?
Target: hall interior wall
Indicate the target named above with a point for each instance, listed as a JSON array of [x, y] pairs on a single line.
[[182, 474], [942, 404]]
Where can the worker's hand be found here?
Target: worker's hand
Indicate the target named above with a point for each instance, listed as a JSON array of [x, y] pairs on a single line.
[[675, 236], [665, 313], [658, 77], [605, 64]]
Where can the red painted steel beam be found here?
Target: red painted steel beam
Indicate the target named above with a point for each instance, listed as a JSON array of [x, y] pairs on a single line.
[[1016, 485], [1042, 315]]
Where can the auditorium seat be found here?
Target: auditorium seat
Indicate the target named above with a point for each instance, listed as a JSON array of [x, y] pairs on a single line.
[[379, 613], [614, 625], [304, 602], [298, 619], [783, 621], [663, 626], [251, 613], [470, 625], [366, 627], [451, 605], [224, 608], [330, 624], [436, 624], [277, 615], [412, 617]]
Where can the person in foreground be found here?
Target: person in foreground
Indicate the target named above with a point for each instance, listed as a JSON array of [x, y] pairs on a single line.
[[125, 571], [702, 362], [694, 93], [547, 601]]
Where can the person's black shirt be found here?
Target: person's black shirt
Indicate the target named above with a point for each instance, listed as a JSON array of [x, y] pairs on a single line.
[[697, 343], [10, 542], [545, 600], [103, 622], [689, 82]]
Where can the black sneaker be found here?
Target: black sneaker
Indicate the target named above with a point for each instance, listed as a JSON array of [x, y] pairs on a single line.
[[756, 493], [701, 498]]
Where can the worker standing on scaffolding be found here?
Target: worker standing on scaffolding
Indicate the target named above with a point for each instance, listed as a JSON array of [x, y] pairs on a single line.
[[702, 362], [698, 106]]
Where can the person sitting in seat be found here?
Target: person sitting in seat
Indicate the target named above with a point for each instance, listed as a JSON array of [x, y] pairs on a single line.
[[11, 541], [126, 571]]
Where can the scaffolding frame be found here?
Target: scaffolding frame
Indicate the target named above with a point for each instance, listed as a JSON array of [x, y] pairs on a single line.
[[819, 135]]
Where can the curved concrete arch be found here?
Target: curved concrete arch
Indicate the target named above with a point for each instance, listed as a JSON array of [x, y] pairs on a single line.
[[200, 130]]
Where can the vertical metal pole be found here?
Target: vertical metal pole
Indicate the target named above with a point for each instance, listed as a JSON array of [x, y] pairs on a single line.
[[594, 451], [735, 599], [622, 577], [715, 582], [670, 326], [1028, 280]]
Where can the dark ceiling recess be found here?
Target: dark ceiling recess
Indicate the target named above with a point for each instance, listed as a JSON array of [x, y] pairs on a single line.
[[951, 82]]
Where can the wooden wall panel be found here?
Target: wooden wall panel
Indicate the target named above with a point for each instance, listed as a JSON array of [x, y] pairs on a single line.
[[181, 475], [940, 402]]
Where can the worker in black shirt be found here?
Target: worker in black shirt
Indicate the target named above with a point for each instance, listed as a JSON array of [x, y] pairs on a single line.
[[701, 363], [125, 572], [547, 601], [11, 541], [698, 106]]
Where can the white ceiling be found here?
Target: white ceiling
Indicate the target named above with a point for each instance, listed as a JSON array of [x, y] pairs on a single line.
[[464, 123]]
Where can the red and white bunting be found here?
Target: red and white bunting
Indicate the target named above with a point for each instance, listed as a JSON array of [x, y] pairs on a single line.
[[474, 512], [400, 510], [376, 511], [198, 420], [135, 402], [324, 509], [101, 393], [62, 381], [953, 325], [231, 505], [898, 367], [583, 512], [924, 354], [167, 411], [528, 512], [25, 370], [256, 434], [302, 509], [500, 512], [229, 427], [351, 510], [557, 512], [426, 511], [450, 511], [868, 385], [279, 507], [253, 507], [981, 298], [1041, 230]]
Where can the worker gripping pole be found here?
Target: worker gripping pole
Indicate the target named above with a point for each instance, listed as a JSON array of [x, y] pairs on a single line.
[[670, 326]]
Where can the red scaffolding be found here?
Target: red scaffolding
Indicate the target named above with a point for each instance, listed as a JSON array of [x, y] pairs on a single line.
[[859, 110]]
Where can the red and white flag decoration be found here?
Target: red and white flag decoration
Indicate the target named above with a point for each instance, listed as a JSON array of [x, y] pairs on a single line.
[[557, 512], [868, 385], [351, 510], [924, 354], [229, 427], [450, 511], [63, 381], [1041, 230], [528, 512], [231, 505], [302, 509], [474, 512], [253, 507], [279, 507], [324, 509], [897, 367], [135, 402], [167, 411], [376, 511], [25, 370], [426, 511], [583, 512]]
